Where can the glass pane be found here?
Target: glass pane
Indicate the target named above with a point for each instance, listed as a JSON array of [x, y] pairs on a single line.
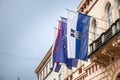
[[118, 2], [95, 29], [109, 15], [119, 12]]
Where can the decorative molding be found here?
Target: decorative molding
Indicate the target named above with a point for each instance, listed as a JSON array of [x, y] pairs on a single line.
[[107, 52], [80, 76], [90, 65], [42, 63], [86, 4], [116, 42], [100, 61]]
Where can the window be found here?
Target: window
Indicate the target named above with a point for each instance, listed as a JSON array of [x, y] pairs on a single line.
[[93, 68], [89, 71], [118, 2], [119, 7], [96, 67], [47, 69], [43, 73], [49, 64], [80, 70], [40, 76], [60, 77], [94, 29], [109, 15], [71, 77], [86, 72]]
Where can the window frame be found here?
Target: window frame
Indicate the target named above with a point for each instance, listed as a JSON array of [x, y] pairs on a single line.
[[118, 3], [94, 29], [109, 15]]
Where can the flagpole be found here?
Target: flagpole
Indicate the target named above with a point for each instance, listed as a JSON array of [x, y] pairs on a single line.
[[62, 17], [89, 15], [70, 10], [55, 28], [89, 32]]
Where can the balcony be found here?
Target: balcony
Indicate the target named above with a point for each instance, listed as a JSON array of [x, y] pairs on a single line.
[[106, 48]]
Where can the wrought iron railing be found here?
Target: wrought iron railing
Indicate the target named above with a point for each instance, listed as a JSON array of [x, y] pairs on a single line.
[[106, 36]]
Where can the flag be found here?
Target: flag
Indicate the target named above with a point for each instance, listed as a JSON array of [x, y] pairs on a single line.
[[55, 66], [61, 51], [77, 35]]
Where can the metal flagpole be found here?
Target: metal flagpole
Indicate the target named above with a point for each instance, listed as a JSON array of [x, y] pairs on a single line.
[[89, 15]]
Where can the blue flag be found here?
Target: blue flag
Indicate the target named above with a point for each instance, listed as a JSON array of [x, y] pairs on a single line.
[[77, 35]]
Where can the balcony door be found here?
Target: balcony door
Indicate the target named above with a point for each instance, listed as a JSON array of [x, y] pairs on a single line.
[[119, 8], [109, 15]]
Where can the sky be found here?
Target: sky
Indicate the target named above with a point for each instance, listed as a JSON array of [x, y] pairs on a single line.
[[26, 34]]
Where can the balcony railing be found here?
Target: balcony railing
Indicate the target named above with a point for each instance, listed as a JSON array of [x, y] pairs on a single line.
[[105, 37]]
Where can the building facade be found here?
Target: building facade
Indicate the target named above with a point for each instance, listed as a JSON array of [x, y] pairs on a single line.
[[104, 45], [43, 70]]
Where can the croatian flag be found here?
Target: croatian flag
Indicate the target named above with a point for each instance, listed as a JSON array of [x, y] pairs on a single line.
[[77, 35], [55, 66]]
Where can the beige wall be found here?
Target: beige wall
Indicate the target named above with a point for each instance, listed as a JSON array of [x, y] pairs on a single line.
[[99, 13], [91, 71], [45, 70]]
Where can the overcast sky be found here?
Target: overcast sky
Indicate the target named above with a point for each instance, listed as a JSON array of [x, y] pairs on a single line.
[[26, 34]]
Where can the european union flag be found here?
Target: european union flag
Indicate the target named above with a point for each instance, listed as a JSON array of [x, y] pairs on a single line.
[[62, 54]]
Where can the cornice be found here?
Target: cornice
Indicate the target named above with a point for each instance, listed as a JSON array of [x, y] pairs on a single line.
[[42, 63]]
